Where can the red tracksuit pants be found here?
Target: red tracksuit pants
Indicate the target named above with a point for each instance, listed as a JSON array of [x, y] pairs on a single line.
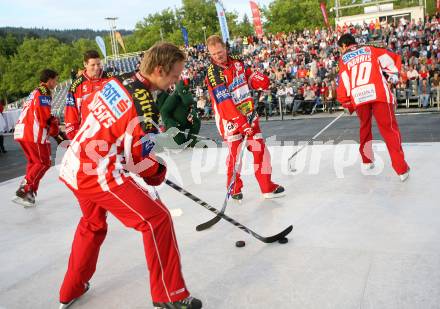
[[135, 208], [262, 164], [38, 158], [388, 128]]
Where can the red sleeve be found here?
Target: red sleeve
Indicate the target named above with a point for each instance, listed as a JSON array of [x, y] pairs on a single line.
[[42, 108], [390, 62], [248, 72], [71, 115], [220, 95], [343, 89]]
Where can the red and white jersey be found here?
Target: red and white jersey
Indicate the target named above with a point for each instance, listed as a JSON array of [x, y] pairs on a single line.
[[361, 77], [111, 140], [80, 89], [230, 95], [32, 124]]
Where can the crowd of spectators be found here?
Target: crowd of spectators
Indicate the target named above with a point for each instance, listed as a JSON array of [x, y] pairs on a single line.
[[302, 65]]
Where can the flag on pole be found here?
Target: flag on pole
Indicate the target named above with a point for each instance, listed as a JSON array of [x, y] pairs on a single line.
[[100, 42], [120, 40], [222, 20], [324, 13], [185, 35], [256, 17]]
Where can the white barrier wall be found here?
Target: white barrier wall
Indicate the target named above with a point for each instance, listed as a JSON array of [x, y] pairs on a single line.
[[414, 12]]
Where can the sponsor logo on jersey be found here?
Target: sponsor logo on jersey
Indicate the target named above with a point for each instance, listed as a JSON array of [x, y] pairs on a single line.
[[76, 83], [101, 111], [122, 105], [215, 76], [221, 94], [358, 52], [211, 76], [365, 93], [230, 127], [115, 98], [70, 100], [45, 100], [238, 81], [241, 94]]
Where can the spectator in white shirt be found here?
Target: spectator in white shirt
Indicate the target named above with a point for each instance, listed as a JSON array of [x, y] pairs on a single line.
[[413, 74]]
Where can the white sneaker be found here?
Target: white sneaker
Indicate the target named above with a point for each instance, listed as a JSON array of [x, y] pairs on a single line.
[[278, 192], [368, 166], [404, 176]]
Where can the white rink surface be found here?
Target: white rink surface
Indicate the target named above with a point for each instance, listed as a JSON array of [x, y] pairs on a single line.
[[359, 241]]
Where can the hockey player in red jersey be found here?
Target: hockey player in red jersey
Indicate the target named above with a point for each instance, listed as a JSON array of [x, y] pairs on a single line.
[[228, 83], [364, 72], [111, 142], [32, 131], [89, 81]]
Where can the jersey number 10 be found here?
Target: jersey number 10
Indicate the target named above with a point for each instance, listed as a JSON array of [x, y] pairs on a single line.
[[360, 75]]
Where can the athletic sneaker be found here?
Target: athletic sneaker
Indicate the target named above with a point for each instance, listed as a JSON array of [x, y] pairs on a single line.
[[26, 199], [404, 176], [278, 192], [187, 303], [67, 305], [237, 196]]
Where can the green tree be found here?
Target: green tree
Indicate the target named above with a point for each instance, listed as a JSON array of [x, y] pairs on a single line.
[[197, 14], [20, 72], [3, 65], [8, 45], [246, 28], [148, 31], [289, 15]]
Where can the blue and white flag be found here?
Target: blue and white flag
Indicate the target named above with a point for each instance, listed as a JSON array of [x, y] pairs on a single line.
[[222, 20], [100, 41]]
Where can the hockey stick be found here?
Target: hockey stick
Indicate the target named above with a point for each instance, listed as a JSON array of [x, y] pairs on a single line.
[[311, 140], [208, 224], [196, 135], [194, 198]]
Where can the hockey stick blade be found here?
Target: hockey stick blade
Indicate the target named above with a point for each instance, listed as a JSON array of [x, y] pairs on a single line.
[[207, 224], [194, 198]]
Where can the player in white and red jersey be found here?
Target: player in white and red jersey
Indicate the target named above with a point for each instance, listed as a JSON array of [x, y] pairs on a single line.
[[228, 84], [32, 131], [89, 81], [364, 73], [111, 142]]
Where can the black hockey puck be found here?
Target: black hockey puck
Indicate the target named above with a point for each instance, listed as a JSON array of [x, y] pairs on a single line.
[[283, 240], [240, 243]]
